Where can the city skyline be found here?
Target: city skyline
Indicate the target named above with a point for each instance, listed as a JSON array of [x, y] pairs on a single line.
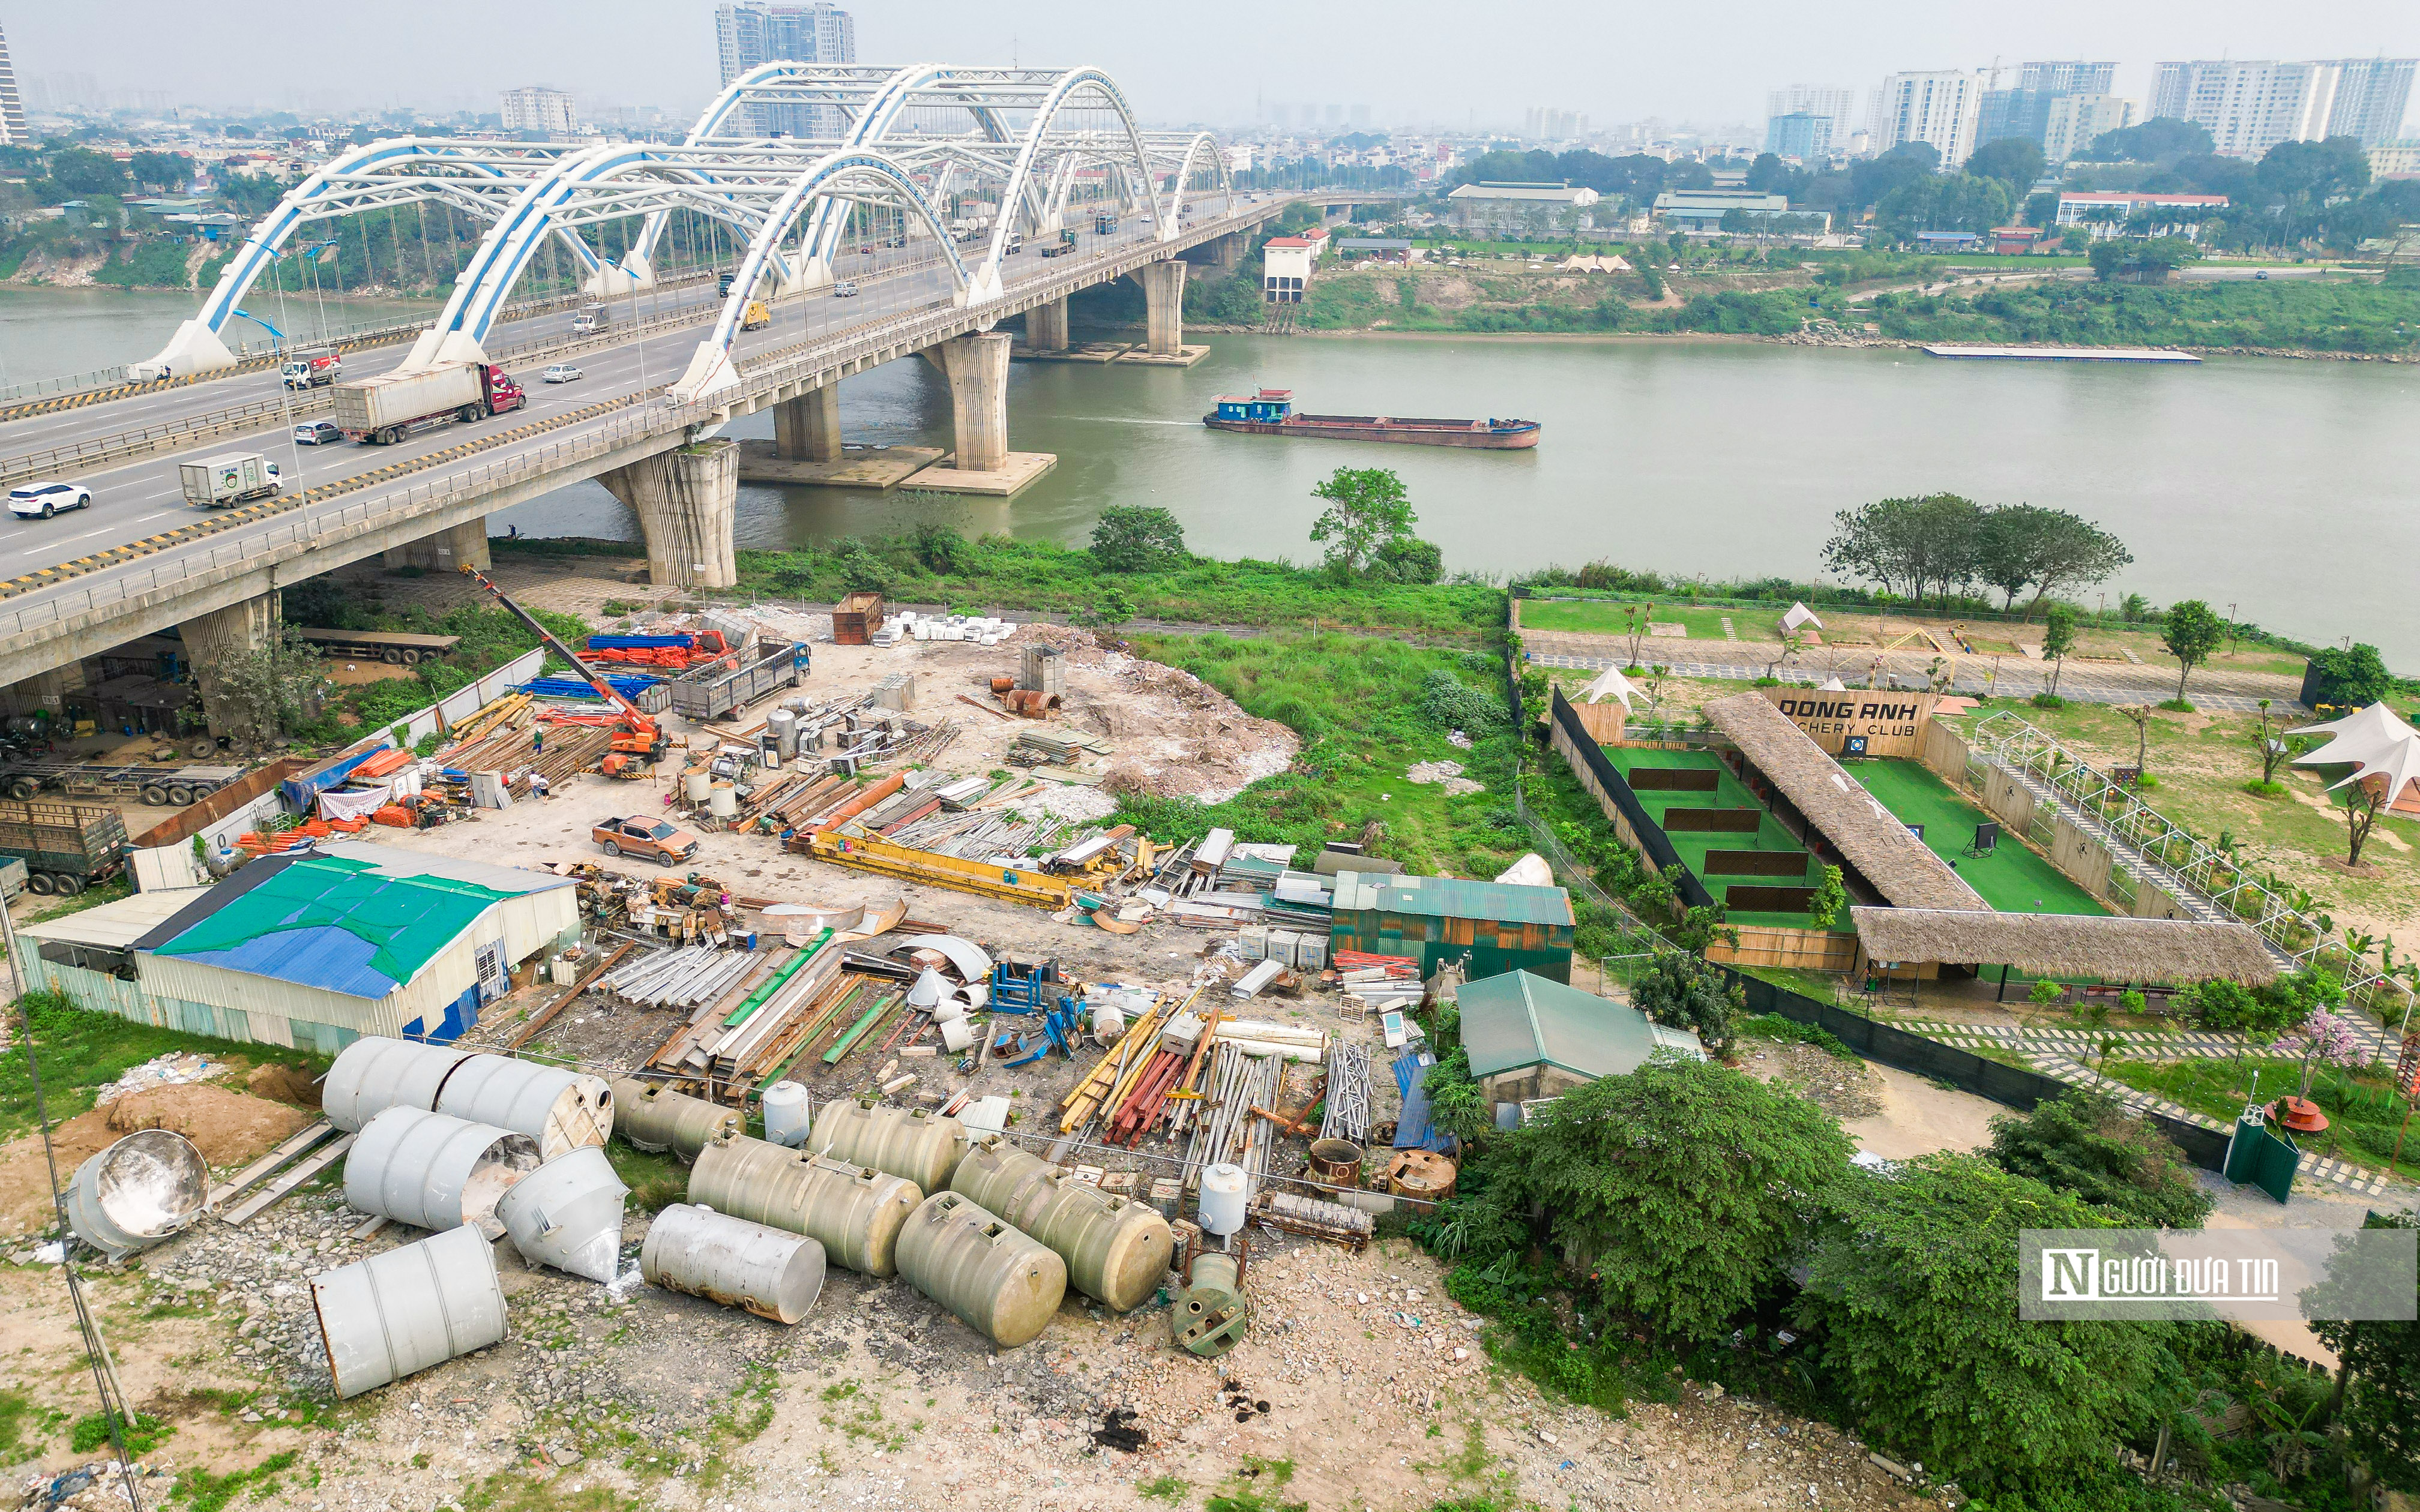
[[146, 50]]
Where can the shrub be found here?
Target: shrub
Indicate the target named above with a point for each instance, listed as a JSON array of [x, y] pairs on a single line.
[[1138, 538], [1448, 703], [2090, 1147]]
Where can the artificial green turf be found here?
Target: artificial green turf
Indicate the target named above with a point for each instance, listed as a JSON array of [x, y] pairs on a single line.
[[1694, 844], [2012, 879]]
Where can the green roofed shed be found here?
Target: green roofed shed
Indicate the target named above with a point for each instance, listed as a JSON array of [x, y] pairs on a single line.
[[1528, 1037], [1499, 926]]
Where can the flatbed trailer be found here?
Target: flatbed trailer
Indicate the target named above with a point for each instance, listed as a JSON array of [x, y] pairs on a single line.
[[395, 647], [155, 783]]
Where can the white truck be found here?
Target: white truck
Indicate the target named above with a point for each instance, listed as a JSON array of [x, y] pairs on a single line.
[[392, 406], [217, 481]]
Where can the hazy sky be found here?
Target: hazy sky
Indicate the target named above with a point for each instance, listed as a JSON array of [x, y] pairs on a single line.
[[1452, 61]]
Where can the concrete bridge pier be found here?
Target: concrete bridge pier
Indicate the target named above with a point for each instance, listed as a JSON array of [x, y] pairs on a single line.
[[214, 641], [977, 368], [449, 551], [1163, 293], [686, 499], [1046, 327], [45, 692], [1228, 251], [807, 429]]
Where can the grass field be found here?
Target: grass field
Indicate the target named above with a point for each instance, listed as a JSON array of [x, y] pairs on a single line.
[[1589, 617], [1692, 845], [2363, 1111], [2012, 878]]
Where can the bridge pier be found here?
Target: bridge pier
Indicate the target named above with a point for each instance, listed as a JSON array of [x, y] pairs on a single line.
[[686, 500], [1046, 327], [807, 429], [1228, 251], [449, 551], [1163, 292], [213, 642], [977, 367]]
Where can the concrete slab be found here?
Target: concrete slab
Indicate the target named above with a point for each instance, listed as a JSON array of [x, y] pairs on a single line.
[[1020, 472], [1182, 357], [1087, 351], [859, 467]]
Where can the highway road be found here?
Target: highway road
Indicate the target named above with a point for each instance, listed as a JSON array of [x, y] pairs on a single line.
[[143, 496]]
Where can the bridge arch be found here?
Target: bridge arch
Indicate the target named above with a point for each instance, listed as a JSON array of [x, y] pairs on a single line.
[[1020, 175]]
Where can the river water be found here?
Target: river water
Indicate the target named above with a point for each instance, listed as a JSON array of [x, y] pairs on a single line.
[[49, 332], [2290, 489]]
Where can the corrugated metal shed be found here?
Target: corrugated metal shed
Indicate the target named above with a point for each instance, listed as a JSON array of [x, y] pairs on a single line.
[[1507, 902], [1493, 927], [1517, 1020], [114, 925]]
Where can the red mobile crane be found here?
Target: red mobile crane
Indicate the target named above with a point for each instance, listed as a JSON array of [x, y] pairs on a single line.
[[640, 737]]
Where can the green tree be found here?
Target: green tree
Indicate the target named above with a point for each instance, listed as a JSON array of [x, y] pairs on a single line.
[[1407, 559], [2378, 1386], [2015, 161], [167, 172], [1106, 610], [2087, 1145], [2148, 261], [1138, 538], [1684, 991], [83, 171], [274, 688], [1367, 508], [2222, 1007], [1927, 541], [1945, 202], [2160, 138], [2050, 551], [1824, 903], [2352, 675], [2058, 640], [1683, 1188], [1913, 1282], [2191, 630]]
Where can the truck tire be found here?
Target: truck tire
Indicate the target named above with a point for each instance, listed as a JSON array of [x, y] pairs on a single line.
[[181, 795], [41, 884], [411, 658], [24, 787], [609, 848], [67, 885], [201, 746], [392, 656], [154, 795]]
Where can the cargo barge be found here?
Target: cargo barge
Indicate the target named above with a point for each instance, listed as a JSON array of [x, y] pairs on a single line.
[[1270, 413]]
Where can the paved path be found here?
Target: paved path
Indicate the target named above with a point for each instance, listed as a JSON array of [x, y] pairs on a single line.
[[2022, 680]]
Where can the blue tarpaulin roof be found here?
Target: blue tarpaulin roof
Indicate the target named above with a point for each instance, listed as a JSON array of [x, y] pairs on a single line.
[[572, 688], [301, 790], [1412, 1130]]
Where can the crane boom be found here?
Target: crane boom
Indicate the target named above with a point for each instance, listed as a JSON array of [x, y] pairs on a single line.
[[640, 725]]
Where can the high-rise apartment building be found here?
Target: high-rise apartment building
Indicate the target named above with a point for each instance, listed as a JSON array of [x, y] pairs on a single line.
[[2077, 121], [541, 111], [2026, 110], [1938, 106], [748, 32], [1549, 124], [2067, 78], [1800, 133], [2372, 94], [12, 110], [2248, 107], [1837, 105]]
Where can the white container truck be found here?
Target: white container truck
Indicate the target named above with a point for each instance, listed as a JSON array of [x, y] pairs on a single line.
[[217, 481], [392, 406]]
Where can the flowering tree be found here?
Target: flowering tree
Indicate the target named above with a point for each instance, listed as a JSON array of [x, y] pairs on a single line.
[[2323, 1039]]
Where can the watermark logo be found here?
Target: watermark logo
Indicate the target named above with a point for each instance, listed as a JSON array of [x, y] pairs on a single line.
[[2244, 1275]]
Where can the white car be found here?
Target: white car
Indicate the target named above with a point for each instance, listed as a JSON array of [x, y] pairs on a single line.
[[563, 373], [845, 289], [40, 500]]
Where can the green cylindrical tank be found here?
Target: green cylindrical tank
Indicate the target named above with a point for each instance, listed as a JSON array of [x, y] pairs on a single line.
[[1003, 1284], [1116, 1249], [658, 1118], [913, 1144], [1208, 1317], [855, 1212]]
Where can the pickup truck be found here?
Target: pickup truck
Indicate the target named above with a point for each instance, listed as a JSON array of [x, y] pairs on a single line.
[[650, 838]]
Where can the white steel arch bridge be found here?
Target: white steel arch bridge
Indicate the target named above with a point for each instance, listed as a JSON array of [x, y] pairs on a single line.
[[900, 144]]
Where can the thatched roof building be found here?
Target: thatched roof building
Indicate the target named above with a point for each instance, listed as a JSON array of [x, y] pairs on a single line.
[[1870, 838], [2069, 945]]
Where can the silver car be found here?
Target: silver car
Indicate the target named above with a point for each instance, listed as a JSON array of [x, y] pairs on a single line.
[[563, 373]]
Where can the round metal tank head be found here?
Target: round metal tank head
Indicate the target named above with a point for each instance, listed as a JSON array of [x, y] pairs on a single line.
[[136, 1193], [1209, 1313], [436, 1171], [769, 1271], [853, 1211], [914, 1143], [1003, 1284], [560, 1109], [375, 1073], [929, 990], [567, 1213], [656, 1119], [410, 1309]]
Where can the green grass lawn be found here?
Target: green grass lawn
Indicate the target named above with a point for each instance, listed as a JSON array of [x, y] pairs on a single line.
[[1602, 617], [2362, 1112], [82, 1052], [2012, 879], [1694, 845]]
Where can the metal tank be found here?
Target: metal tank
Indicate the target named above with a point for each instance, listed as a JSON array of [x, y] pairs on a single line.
[[853, 1211], [1003, 1284], [407, 1309], [433, 1170], [375, 1073], [912, 1143], [787, 1114], [560, 1109], [782, 725], [1116, 1249], [656, 1119], [769, 1271], [136, 1193], [1210, 1311], [567, 1213]]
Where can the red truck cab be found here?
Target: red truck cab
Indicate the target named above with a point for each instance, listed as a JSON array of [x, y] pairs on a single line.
[[503, 393]]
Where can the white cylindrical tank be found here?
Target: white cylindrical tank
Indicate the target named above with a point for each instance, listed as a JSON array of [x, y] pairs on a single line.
[[786, 1115], [956, 1035], [708, 1254], [1224, 1194], [694, 785], [433, 1170], [567, 1213], [723, 800], [407, 1309], [560, 1109], [375, 1073], [139, 1190], [782, 726]]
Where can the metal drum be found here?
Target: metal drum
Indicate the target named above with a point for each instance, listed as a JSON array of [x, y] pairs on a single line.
[[375, 1073], [855, 1212], [433, 1170], [560, 1109], [139, 1190], [1003, 1284], [656, 1119], [407, 1309], [910, 1143], [769, 1271]]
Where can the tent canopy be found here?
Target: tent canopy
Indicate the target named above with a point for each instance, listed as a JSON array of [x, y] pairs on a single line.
[[2371, 741]]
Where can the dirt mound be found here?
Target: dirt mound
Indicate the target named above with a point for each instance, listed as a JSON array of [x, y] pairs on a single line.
[[228, 1127], [284, 1084]]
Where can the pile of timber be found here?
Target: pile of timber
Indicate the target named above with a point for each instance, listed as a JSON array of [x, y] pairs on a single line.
[[505, 748]]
